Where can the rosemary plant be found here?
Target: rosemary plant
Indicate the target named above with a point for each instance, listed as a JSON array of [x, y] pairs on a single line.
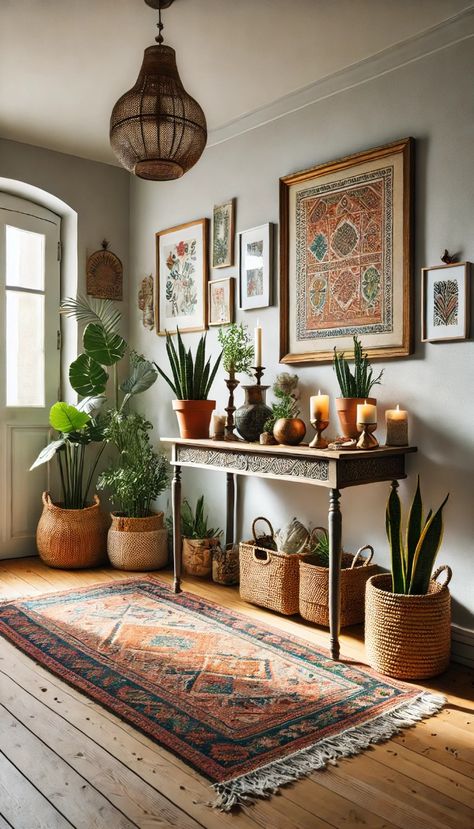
[[237, 349]]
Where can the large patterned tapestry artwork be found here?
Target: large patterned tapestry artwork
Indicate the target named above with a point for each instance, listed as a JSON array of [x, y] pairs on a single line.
[[249, 707]]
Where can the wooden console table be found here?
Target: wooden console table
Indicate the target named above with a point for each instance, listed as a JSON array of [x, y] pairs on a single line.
[[334, 470]]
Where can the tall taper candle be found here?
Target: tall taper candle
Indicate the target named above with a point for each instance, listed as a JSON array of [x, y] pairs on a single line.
[[258, 345]]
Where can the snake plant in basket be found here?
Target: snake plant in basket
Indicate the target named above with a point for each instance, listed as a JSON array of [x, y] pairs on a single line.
[[408, 613], [191, 382]]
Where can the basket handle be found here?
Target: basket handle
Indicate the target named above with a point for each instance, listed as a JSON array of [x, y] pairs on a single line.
[[261, 518], [361, 550], [258, 556], [449, 574], [46, 498]]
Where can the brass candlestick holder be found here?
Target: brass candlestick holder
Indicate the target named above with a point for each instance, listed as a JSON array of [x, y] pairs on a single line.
[[367, 440], [231, 384], [258, 373], [319, 442]]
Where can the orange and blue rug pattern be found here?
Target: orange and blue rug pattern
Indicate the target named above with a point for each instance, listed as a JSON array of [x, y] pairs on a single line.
[[248, 707]]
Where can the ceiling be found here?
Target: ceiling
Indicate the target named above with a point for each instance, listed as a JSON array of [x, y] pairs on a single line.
[[63, 63]]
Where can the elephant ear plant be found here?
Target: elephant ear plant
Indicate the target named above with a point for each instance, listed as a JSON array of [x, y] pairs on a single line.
[[84, 424], [413, 557]]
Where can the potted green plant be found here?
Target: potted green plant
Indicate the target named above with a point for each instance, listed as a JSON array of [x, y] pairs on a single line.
[[199, 540], [237, 358], [73, 532], [355, 387], [284, 424], [408, 613], [191, 382], [137, 538]]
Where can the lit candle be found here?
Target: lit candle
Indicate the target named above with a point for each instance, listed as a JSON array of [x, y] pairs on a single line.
[[258, 345], [397, 427], [319, 407], [366, 413], [218, 425]]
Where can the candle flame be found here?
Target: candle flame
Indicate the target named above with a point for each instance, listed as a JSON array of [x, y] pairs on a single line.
[[365, 402], [319, 392], [398, 407], [258, 323]]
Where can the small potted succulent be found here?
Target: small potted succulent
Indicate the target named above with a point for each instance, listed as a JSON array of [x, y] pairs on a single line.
[[199, 540], [355, 387], [237, 358], [407, 612], [191, 383], [284, 425]]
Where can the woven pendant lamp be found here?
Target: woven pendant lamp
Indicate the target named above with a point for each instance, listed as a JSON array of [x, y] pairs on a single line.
[[157, 130]]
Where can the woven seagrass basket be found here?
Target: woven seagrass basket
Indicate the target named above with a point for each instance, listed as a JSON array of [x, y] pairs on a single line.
[[268, 578], [314, 588], [408, 637], [138, 543], [72, 539], [197, 556]]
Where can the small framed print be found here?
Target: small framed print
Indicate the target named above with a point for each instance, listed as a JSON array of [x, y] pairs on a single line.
[[223, 222], [445, 302], [255, 267], [182, 272], [221, 301]]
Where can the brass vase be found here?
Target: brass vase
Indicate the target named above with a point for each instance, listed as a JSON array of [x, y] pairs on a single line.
[[289, 430]]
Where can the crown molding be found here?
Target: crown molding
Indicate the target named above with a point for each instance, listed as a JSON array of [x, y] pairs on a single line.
[[454, 30]]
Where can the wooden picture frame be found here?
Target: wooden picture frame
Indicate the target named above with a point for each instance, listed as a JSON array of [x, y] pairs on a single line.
[[255, 247], [221, 301], [346, 252], [445, 302], [182, 273], [223, 234]]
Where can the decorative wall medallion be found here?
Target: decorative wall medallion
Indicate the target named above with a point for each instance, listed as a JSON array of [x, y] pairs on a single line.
[[145, 302], [104, 273]]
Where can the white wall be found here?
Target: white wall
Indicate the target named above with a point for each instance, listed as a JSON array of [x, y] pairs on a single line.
[[431, 100]]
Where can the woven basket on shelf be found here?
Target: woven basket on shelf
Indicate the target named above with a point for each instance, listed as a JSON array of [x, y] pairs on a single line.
[[138, 543], [268, 578], [72, 539], [314, 588], [408, 637]]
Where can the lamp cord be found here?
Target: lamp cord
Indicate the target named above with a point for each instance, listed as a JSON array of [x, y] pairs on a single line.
[[159, 38]]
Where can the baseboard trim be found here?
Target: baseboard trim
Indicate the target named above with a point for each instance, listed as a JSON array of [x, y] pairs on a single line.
[[445, 34], [462, 645]]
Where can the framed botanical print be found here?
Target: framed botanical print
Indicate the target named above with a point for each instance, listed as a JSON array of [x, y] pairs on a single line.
[[445, 293], [182, 273], [223, 221], [255, 267], [346, 256], [221, 301]]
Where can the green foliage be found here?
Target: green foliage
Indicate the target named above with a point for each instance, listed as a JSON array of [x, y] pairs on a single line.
[[194, 524], [87, 376], [191, 379], [413, 561], [361, 382], [237, 349], [139, 474], [66, 419], [285, 390], [88, 310], [320, 547], [103, 347]]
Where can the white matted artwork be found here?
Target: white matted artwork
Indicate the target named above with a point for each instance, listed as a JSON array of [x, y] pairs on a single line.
[[182, 272], [255, 267], [221, 301], [445, 302]]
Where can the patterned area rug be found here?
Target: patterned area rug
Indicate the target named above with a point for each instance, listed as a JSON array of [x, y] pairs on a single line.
[[249, 708]]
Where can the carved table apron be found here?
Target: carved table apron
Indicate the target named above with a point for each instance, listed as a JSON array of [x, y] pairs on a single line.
[[334, 470]]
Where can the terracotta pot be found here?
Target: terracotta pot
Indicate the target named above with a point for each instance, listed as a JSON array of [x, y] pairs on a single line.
[[346, 408], [194, 417], [138, 543], [289, 431], [72, 538]]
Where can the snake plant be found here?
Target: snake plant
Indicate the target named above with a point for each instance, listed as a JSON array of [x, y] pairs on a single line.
[[360, 383], [413, 557], [192, 378]]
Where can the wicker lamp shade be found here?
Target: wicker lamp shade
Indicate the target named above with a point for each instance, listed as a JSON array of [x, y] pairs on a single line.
[[157, 130]]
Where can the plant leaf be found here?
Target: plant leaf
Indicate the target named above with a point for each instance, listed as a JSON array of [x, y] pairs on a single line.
[[65, 418], [91, 405], [87, 376], [393, 519], [142, 377], [48, 452], [105, 348], [86, 310], [426, 552], [414, 528]]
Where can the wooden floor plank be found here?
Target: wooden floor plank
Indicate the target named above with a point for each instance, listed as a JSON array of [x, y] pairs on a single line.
[[22, 805], [68, 791]]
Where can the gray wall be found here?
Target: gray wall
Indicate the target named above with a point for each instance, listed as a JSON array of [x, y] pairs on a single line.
[[429, 99]]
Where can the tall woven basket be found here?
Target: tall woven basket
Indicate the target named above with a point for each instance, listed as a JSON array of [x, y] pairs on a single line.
[[408, 637], [138, 543], [72, 538], [314, 588], [268, 578]]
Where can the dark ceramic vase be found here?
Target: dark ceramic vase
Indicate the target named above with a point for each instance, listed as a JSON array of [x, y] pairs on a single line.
[[251, 417]]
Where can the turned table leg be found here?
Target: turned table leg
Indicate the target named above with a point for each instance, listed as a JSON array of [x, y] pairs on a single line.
[[335, 559], [230, 509], [176, 508]]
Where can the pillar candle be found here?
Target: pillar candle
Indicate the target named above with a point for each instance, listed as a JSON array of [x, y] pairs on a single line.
[[366, 413], [397, 427], [258, 345], [319, 407], [218, 425]]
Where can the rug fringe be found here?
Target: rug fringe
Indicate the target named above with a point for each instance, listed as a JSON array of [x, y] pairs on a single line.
[[266, 780]]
